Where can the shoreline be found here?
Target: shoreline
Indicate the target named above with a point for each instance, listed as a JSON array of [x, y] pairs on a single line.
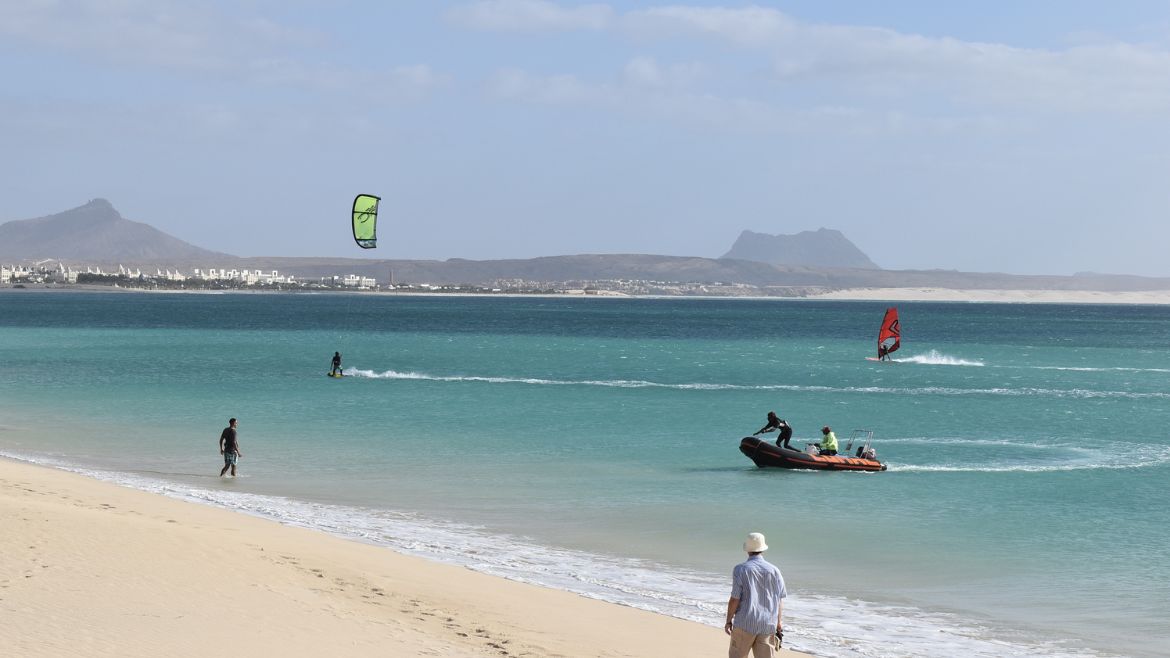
[[174, 575], [1153, 297], [979, 296], [595, 555]]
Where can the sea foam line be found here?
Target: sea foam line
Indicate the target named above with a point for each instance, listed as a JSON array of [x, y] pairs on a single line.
[[936, 358], [822, 625], [1089, 369], [704, 386]]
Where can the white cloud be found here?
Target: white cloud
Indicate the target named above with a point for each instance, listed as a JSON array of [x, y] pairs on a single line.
[[160, 34], [639, 94], [399, 83], [647, 72], [530, 15], [644, 71], [1116, 77], [191, 38], [861, 64], [514, 84], [750, 26]]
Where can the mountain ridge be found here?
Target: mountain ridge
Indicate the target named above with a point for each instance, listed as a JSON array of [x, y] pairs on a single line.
[[96, 234], [820, 248]]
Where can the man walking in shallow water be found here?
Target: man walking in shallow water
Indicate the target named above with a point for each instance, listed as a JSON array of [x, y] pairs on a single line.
[[229, 447], [756, 605]]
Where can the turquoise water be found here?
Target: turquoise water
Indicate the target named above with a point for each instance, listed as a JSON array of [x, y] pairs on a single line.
[[591, 445]]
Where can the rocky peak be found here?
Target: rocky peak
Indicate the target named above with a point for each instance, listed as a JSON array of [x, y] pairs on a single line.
[[821, 248]]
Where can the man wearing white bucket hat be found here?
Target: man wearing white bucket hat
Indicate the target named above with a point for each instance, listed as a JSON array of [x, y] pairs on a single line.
[[756, 605]]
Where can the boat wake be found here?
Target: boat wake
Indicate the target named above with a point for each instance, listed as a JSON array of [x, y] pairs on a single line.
[[1119, 457], [612, 383], [706, 386]]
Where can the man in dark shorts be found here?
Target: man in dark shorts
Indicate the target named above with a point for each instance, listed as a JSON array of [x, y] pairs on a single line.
[[229, 447], [335, 367]]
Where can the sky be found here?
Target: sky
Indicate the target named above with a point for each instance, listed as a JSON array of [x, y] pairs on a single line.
[[1021, 137]]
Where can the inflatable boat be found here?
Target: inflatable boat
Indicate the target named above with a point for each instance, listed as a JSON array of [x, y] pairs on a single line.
[[766, 454]]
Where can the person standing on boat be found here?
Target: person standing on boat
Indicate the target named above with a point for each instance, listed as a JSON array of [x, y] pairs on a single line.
[[828, 444], [756, 607], [777, 423]]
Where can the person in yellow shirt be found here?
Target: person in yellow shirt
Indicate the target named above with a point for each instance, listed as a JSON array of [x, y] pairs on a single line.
[[828, 444]]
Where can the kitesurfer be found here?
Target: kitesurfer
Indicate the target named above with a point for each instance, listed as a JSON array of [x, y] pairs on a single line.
[[828, 444], [336, 368], [777, 423]]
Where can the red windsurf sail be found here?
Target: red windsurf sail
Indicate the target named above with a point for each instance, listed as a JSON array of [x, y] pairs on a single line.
[[890, 335]]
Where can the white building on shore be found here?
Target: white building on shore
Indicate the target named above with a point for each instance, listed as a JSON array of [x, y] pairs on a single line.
[[354, 281], [14, 273], [245, 277]]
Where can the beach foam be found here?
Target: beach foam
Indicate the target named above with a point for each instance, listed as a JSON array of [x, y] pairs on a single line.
[[827, 626]]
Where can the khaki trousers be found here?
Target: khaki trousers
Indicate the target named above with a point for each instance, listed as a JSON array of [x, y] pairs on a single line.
[[743, 643]]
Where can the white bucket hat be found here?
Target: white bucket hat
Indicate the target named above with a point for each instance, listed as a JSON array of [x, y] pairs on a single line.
[[755, 543]]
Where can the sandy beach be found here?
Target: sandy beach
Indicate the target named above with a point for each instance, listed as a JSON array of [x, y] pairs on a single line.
[[94, 569], [999, 296], [848, 294]]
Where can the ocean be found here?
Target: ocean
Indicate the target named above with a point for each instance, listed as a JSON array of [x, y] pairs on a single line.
[[591, 445]]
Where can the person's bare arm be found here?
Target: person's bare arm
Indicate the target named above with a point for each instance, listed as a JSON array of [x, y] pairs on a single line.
[[732, 606]]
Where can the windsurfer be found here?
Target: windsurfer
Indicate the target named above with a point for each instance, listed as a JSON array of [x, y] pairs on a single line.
[[336, 368], [777, 423], [889, 335], [828, 444]]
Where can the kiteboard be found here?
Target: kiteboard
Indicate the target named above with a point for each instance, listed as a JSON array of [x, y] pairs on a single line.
[[334, 374]]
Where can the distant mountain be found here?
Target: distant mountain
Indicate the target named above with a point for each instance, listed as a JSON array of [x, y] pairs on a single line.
[[96, 233], [763, 279], [820, 248], [579, 267]]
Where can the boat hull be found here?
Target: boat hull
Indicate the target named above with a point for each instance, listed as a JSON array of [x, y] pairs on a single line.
[[766, 455]]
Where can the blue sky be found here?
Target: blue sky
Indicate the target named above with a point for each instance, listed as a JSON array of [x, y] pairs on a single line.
[[1024, 137]]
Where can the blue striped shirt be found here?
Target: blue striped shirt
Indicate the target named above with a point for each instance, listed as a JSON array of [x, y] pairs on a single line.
[[759, 587]]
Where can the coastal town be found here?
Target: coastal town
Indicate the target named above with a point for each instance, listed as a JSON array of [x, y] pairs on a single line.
[[211, 278], [57, 274]]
